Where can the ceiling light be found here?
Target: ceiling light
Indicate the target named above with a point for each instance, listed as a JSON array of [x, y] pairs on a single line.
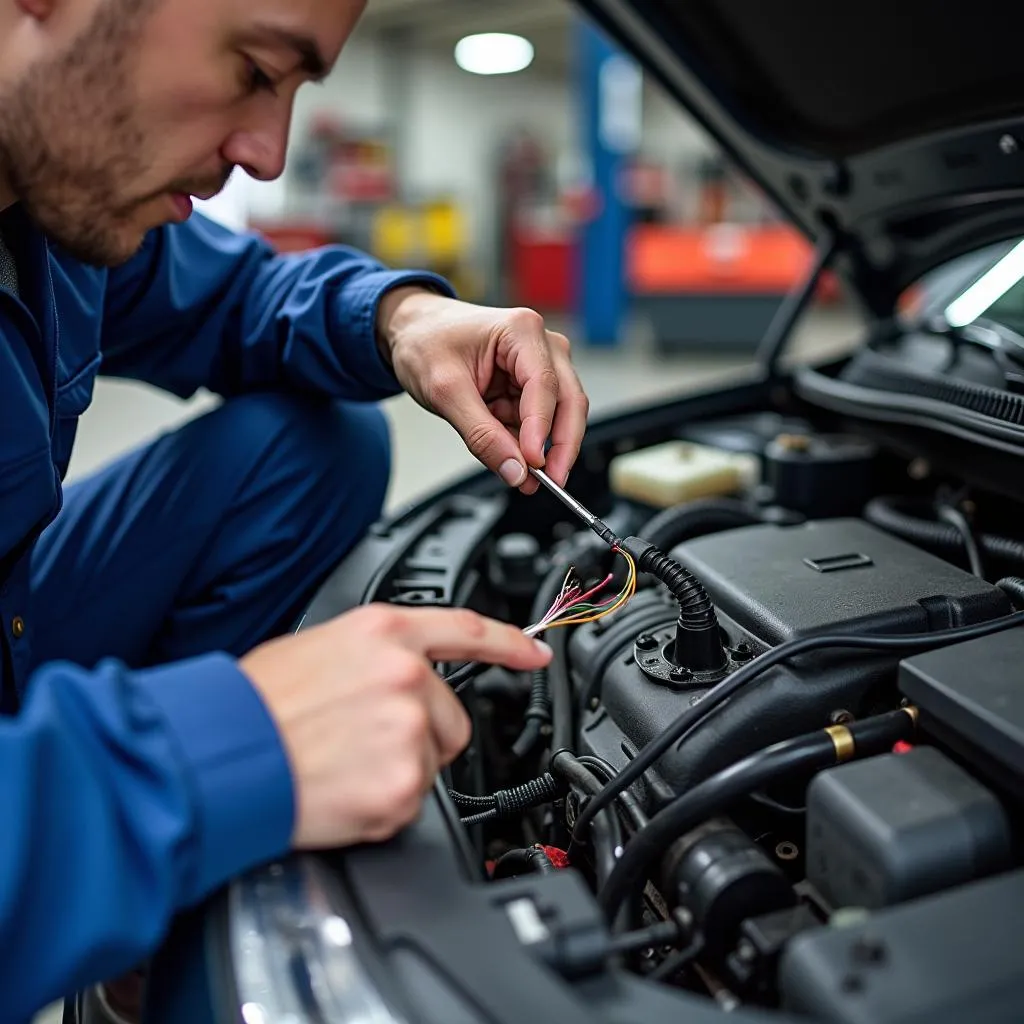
[[493, 53]]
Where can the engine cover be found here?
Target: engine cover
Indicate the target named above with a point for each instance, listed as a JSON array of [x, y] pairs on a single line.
[[770, 584]]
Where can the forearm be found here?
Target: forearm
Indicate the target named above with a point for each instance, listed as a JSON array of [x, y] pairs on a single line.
[[126, 797], [204, 307]]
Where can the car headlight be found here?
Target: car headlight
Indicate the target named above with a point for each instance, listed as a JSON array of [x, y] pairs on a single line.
[[293, 952]]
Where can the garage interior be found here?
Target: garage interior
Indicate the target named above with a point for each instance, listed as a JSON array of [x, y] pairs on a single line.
[[484, 178]]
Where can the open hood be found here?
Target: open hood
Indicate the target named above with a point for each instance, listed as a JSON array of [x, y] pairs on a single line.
[[891, 130]]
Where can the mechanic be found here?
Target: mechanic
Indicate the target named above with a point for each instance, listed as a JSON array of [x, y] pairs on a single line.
[[162, 733]]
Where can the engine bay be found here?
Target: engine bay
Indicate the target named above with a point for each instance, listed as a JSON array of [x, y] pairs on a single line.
[[781, 740]]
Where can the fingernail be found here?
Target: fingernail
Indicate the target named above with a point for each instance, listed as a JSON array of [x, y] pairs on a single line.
[[512, 472], [543, 647]]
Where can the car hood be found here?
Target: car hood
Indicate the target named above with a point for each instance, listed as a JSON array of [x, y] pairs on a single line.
[[893, 132]]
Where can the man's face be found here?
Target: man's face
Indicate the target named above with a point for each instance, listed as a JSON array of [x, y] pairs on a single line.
[[132, 106]]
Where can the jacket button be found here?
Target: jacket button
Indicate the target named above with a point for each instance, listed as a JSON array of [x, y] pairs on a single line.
[[18, 627]]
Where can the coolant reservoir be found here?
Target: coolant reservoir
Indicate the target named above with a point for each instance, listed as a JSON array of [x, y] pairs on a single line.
[[677, 471]]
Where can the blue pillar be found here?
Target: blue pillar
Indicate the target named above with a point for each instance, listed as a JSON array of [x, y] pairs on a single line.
[[609, 86]]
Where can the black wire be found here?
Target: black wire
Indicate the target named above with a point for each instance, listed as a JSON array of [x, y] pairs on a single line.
[[627, 801], [607, 834], [576, 959], [462, 677], [693, 716], [956, 519], [520, 862], [479, 819], [661, 933], [507, 803], [676, 961]]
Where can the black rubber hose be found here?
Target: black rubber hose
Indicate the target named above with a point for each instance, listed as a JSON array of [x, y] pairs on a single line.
[[480, 817], [784, 760], [563, 734], [580, 959], [698, 641], [1013, 587], [903, 517], [604, 836], [695, 607], [468, 802], [695, 518], [522, 862], [538, 714], [607, 837], [631, 808], [968, 539], [692, 717], [675, 962]]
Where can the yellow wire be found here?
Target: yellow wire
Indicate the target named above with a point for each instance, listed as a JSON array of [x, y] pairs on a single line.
[[627, 593]]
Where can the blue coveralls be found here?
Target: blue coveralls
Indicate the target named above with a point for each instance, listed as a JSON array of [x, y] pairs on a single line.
[[138, 768]]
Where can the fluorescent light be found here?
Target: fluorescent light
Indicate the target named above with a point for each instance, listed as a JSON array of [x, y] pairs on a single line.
[[493, 53], [990, 287]]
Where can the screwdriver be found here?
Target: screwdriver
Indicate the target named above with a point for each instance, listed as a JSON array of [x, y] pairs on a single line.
[[580, 511]]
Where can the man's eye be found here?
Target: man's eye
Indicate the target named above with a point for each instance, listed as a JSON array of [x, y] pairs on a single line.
[[257, 80]]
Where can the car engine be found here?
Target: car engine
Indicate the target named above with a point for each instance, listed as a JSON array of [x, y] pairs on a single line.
[[781, 740]]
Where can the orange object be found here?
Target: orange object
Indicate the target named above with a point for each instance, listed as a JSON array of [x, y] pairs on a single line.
[[723, 258]]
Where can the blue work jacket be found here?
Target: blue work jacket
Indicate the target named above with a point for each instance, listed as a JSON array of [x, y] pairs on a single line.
[[127, 795]]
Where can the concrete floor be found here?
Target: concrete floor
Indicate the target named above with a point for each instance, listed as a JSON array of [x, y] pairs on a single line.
[[426, 449], [427, 452]]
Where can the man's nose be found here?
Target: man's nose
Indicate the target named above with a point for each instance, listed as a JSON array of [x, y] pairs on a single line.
[[260, 149]]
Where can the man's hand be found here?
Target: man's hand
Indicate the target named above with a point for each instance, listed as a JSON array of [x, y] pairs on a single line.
[[504, 382], [365, 721]]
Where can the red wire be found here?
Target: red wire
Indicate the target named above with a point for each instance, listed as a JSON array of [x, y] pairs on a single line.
[[604, 583]]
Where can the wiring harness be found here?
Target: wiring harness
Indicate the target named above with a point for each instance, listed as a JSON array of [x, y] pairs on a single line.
[[506, 803]]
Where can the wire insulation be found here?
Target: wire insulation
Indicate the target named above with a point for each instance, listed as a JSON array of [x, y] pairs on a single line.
[[574, 606]]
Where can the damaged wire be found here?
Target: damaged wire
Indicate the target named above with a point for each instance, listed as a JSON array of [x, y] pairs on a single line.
[[574, 607]]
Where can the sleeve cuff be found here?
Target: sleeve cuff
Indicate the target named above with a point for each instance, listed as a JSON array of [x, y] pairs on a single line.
[[240, 776], [356, 320]]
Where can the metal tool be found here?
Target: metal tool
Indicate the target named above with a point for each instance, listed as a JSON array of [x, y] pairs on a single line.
[[580, 511], [564, 497]]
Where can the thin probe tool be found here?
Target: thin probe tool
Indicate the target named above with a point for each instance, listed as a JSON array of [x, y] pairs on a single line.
[[578, 510]]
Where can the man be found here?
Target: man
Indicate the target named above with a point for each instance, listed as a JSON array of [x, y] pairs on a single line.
[[156, 740]]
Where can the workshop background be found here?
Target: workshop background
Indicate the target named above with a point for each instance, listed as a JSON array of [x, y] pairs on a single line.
[[559, 178]]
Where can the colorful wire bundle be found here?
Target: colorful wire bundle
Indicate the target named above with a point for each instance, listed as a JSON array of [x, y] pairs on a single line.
[[573, 607]]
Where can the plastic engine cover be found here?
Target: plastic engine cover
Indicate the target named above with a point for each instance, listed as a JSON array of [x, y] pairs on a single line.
[[771, 584], [953, 958], [889, 829], [834, 575]]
